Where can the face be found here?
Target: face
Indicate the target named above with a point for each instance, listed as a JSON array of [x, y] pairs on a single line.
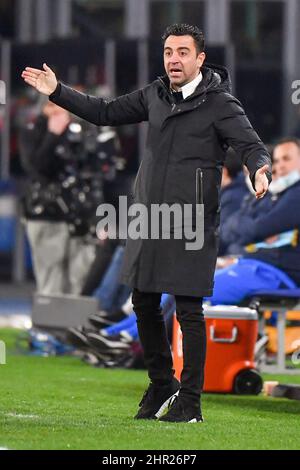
[[286, 159], [181, 60]]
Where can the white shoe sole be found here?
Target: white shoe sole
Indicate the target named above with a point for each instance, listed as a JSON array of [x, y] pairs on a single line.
[[165, 405], [194, 420]]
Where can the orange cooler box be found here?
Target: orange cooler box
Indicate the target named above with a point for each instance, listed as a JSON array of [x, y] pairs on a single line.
[[231, 337]]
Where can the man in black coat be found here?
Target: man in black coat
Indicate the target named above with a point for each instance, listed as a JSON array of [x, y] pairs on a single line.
[[192, 119]]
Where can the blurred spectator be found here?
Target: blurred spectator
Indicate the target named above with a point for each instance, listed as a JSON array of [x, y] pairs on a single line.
[[233, 190], [270, 237], [111, 293], [231, 242], [233, 186], [66, 185]]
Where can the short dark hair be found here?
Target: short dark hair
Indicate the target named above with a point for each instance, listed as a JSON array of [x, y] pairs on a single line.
[[184, 29], [288, 140]]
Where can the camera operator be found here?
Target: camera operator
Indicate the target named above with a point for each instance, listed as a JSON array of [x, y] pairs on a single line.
[[66, 185]]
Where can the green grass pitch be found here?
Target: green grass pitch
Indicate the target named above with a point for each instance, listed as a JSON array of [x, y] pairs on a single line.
[[60, 403]]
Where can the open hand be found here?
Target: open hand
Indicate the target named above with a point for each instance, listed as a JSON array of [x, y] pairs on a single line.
[[261, 182], [43, 81]]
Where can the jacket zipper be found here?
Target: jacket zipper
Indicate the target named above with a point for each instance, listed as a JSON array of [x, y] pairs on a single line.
[[199, 186]]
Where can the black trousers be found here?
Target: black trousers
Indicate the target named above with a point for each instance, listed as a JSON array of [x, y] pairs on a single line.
[[157, 352]]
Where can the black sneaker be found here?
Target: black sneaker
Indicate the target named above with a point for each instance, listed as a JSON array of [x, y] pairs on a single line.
[[110, 343], [156, 400], [103, 319], [182, 412]]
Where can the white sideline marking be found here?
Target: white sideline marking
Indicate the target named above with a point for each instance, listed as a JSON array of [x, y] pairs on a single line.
[[20, 416]]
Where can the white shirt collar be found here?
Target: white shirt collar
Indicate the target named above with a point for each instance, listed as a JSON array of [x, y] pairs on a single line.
[[189, 88]]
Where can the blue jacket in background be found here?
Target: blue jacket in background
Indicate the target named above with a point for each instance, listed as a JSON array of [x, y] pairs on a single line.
[[282, 215], [232, 196], [231, 236]]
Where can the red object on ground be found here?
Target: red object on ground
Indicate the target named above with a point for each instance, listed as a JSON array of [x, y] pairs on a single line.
[[231, 337]]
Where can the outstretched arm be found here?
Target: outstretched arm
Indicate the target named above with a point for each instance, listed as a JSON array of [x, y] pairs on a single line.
[[127, 109]]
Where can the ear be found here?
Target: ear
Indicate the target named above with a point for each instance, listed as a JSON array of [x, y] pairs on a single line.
[[201, 58]]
